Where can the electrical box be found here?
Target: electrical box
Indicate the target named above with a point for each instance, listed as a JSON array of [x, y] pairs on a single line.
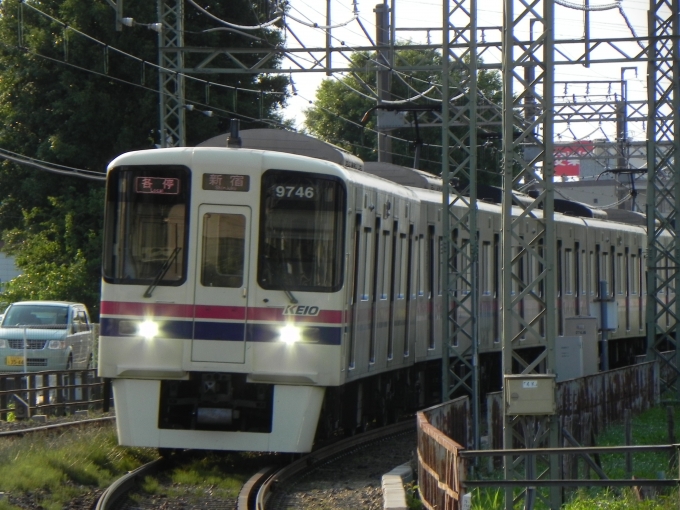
[[610, 320], [531, 394], [586, 328], [568, 357]]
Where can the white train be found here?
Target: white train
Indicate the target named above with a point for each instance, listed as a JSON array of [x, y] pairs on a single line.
[[251, 296]]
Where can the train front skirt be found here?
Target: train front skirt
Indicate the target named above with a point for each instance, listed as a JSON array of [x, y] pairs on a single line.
[[295, 416]]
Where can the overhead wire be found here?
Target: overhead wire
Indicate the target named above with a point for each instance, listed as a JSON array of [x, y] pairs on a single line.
[[261, 26], [157, 67], [51, 167]]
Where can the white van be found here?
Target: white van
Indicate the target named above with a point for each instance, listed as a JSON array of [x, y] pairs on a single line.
[[45, 335]]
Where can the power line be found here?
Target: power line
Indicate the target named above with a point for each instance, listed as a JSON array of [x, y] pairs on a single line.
[[51, 167]]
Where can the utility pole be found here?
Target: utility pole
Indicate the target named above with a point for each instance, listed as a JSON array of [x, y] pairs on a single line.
[[382, 28], [171, 77]]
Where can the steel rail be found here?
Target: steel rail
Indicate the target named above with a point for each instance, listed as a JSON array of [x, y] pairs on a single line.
[[125, 483], [64, 425]]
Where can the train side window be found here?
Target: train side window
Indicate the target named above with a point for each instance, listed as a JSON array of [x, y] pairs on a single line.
[[402, 274], [377, 258], [420, 264], [620, 274], [578, 269], [560, 270], [635, 275], [365, 261], [496, 266], [604, 270], [387, 264], [440, 267], [592, 267], [598, 271], [431, 269], [223, 250], [431, 277], [409, 281], [612, 288], [568, 271], [496, 286], [487, 271], [396, 253], [466, 266], [641, 287], [584, 274]]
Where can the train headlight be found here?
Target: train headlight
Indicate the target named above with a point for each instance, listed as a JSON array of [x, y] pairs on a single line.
[[290, 334], [148, 329]]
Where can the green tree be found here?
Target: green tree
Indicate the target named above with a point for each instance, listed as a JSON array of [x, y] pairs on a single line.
[[340, 105], [68, 100]]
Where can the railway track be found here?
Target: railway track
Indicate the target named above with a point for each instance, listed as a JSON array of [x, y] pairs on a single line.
[[273, 491], [55, 426], [265, 488]]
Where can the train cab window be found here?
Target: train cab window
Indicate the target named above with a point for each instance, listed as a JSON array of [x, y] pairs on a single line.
[[223, 250], [145, 232], [302, 224]]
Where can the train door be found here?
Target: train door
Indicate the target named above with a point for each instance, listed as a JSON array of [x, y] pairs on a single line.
[[221, 296]]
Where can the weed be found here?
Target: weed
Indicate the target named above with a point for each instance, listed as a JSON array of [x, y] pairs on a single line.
[[412, 498]]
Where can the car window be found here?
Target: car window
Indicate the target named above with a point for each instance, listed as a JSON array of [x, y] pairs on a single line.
[[80, 321], [37, 316]]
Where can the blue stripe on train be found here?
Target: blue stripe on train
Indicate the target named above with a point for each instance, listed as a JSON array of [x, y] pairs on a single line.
[[228, 331]]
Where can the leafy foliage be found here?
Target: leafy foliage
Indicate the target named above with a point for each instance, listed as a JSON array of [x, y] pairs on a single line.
[[341, 104], [68, 100]]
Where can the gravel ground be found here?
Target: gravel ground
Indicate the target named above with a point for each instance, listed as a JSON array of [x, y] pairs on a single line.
[[353, 481]]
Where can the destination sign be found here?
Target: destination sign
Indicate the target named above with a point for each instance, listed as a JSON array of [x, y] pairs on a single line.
[[226, 182], [157, 185]]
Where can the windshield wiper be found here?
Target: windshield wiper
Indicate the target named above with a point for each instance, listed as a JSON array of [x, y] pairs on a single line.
[[161, 272], [290, 296]]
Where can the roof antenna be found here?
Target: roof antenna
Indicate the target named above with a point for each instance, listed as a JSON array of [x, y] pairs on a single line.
[[234, 140]]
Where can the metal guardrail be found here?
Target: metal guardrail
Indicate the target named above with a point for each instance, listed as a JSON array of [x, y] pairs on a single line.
[[23, 395], [599, 400]]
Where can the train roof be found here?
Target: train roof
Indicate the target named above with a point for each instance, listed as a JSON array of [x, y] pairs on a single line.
[[290, 142], [411, 177], [629, 217]]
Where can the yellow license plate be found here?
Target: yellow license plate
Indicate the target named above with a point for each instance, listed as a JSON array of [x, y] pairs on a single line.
[[14, 361]]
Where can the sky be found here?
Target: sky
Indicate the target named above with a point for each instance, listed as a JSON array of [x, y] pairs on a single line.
[[413, 17]]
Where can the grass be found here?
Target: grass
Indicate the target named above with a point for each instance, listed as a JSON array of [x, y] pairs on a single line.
[[204, 474], [648, 428], [52, 469]]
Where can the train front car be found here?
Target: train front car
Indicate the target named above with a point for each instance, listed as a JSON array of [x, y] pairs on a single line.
[[221, 316]]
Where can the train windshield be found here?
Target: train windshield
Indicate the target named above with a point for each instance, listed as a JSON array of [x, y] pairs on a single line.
[[146, 225], [302, 225]]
